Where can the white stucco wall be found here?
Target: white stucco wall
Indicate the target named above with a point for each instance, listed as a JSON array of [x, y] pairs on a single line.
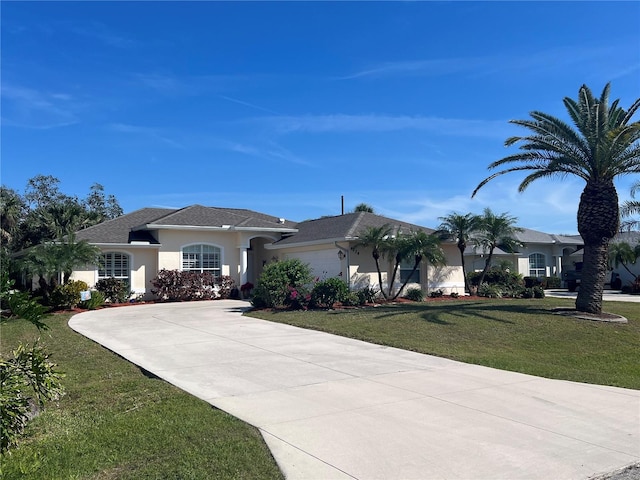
[[142, 269]]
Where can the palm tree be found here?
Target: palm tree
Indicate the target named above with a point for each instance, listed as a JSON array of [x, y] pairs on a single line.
[[12, 209], [495, 231], [375, 238], [459, 228], [631, 207], [422, 246], [363, 207], [621, 253], [604, 145]]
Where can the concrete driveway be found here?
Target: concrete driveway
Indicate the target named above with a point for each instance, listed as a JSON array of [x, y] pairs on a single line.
[[335, 408]]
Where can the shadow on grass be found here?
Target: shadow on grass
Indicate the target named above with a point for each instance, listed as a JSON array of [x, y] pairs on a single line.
[[442, 313]]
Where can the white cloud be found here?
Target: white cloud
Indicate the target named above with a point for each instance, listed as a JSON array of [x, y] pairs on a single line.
[[30, 108], [343, 123]]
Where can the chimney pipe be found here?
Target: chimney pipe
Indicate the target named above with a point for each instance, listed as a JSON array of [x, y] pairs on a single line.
[[342, 199]]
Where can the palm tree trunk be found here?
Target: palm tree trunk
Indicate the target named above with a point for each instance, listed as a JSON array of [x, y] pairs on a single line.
[[384, 294], [415, 267], [598, 222], [594, 272], [486, 267], [464, 270]]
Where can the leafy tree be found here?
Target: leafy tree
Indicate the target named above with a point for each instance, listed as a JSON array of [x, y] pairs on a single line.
[[375, 238], [604, 144], [42, 191], [459, 228], [421, 246], [363, 207], [101, 207], [495, 231]]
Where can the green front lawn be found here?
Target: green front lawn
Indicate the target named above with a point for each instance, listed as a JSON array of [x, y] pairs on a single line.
[[117, 422], [518, 335]]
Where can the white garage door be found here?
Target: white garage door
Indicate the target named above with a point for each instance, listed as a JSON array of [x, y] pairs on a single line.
[[323, 263]]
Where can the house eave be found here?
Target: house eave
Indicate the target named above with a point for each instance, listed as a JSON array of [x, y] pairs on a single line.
[[309, 243], [221, 228], [127, 245]]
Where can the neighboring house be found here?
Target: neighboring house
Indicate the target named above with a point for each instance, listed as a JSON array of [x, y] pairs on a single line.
[[238, 243], [327, 245], [541, 254], [633, 239]]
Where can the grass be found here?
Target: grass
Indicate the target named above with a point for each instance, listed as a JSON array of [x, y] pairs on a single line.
[[115, 421], [517, 335]]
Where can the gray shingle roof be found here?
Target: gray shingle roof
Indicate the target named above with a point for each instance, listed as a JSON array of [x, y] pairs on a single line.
[[534, 236], [200, 216], [344, 227], [118, 230], [132, 226]]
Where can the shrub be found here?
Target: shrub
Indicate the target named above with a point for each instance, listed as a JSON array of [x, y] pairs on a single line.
[[367, 295], [436, 293], [490, 291], [96, 301], [527, 293], [67, 295], [114, 290], [226, 286], [327, 292], [553, 282], [538, 292], [283, 284], [415, 294], [454, 295], [27, 372], [352, 299], [180, 286]]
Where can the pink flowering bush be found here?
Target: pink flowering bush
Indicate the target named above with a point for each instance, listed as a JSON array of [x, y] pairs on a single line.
[[284, 284]]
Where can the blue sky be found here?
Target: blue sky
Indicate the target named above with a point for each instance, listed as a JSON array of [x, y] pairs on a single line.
[[284, 107]]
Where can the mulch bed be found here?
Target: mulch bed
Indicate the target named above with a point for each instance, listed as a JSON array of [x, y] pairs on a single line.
[[602, 317]]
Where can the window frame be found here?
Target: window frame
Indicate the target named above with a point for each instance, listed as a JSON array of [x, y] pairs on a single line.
[[111, 269], [406, 266], [534, 268], [198, 263]]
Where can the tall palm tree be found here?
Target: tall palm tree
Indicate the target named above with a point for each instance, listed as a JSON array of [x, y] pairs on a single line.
[[495, 231], [375, 238], [459, 228], [605, 144], [422, 246], [630, 208]]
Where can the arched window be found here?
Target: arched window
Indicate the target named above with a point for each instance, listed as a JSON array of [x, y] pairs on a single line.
[[201, 258], [114, 264], [537, 265]]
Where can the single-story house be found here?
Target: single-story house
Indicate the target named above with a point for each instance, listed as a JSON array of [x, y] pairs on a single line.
[[239, 242]]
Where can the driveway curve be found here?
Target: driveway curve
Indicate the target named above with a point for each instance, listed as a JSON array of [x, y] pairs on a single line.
[[335, 408]]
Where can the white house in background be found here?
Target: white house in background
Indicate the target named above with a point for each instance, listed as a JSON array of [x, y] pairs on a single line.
[[238, 243], [326, 244], [628, 276], [541, 254]]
